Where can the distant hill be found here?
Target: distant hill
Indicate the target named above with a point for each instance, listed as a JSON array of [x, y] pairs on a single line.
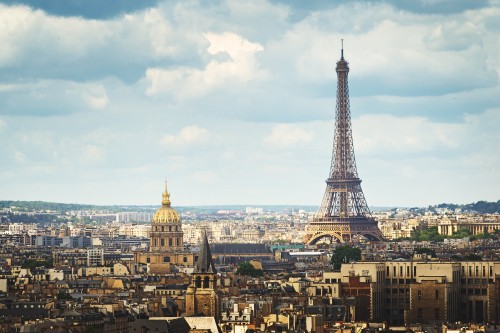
[[26, 206], [481, 207]]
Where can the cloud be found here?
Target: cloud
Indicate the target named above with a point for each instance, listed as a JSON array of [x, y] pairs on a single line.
[[53, 97], [238, 68], [86, 49], [96, 97], [285, 135], [375, 134], [244, 92], [187, 136], [412, 59], [94, 10], [92, 154]]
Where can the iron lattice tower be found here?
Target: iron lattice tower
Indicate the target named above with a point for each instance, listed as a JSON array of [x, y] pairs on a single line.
[[344, 212]]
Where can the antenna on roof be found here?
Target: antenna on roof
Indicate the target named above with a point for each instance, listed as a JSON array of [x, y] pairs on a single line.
[[342, 49]]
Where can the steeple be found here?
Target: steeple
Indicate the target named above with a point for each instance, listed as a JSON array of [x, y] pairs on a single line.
[[205, 263], [202, 296], [166, 197]]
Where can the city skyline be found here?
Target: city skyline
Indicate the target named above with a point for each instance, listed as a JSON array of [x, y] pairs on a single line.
[[233, 102]]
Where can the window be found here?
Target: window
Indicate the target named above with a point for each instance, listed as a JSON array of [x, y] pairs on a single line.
[[185, 259], [437, 294], [436, 313], [419, 295], [419, 315], [166, 259]]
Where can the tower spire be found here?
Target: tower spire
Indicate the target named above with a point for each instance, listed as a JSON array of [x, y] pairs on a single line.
[[205, 262], [342, 49]]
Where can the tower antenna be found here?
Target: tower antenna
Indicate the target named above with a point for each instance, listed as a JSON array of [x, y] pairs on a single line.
[[342, 49]]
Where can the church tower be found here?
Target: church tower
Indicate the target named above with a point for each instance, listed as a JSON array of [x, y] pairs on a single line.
[[202, 297], [166, 228]]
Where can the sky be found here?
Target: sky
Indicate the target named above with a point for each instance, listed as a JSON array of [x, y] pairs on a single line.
[[233, 102]]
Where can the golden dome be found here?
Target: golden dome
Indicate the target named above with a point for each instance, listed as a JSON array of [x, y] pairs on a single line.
[[166, 214]]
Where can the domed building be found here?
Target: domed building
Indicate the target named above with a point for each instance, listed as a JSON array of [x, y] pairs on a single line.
[[166, 228], [166, 248]]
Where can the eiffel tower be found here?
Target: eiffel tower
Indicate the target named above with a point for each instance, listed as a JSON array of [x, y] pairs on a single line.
[[344, 215]]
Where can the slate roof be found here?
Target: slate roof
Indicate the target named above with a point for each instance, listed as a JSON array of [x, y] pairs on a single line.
[[231, 248], [205, 262]]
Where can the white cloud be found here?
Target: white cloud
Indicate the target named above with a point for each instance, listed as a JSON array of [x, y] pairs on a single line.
[[19, 156], [240, 67], [390, 51], [187, 136], [92, 153], [286, 135], [256, 83], [96, 97], [383, 133]]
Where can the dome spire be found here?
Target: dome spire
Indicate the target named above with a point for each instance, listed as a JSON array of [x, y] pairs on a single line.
[[166, 197]]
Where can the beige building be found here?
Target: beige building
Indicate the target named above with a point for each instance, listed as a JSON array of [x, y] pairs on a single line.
[[476, 225], [412, 291]]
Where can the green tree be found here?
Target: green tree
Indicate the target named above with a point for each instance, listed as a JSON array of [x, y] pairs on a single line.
[[246, 268], [426, 251], [473, 257], [344, 254], [461, 233]]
